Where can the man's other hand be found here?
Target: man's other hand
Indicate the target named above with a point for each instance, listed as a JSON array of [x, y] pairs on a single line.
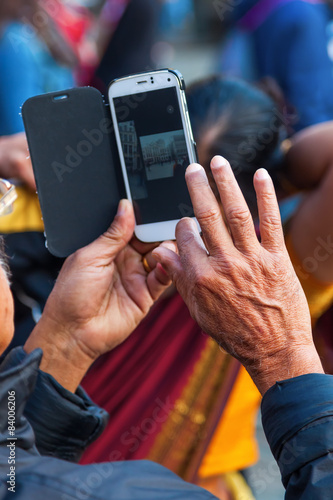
[[101, 295], [242, 292]]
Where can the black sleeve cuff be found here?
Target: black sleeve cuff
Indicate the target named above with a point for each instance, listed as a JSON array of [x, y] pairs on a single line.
[[64, 423], [297, 417]]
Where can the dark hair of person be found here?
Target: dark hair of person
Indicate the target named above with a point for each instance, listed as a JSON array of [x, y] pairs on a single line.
[[240, 122]]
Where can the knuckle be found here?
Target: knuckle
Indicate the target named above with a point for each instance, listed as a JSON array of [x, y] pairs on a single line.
[[115, 232], [202, 280], [78, 259], [268, 198], [211, 215], [238, 215], [271, 221]]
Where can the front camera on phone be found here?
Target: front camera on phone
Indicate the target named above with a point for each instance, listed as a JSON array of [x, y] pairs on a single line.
[[170, 109]]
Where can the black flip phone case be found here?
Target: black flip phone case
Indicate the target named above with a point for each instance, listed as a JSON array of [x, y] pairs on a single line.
[[76, 166]]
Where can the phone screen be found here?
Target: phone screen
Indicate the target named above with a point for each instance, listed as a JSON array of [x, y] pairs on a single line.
[[156, 156]]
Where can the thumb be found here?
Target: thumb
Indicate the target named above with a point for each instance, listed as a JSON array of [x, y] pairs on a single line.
[[107, 246], [166, 255]]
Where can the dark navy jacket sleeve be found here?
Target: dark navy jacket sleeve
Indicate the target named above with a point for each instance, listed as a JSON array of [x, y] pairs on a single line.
[[34, 477], [297, 417], [64, 423]]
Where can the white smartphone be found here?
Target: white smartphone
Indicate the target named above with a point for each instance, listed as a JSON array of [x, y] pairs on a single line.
[[156, 145]]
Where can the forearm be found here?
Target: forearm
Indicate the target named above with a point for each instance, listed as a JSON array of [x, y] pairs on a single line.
[[311, 156], [3, 161], [14, 159], [8, 152]]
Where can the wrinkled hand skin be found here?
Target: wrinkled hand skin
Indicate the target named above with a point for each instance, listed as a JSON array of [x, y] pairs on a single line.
[[242, 292], [101, 295], [15, 162]]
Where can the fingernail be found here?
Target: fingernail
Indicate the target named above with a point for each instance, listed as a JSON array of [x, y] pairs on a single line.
[[161, 268], [219, 161], [122, 207], [262, 174], [194, 167]]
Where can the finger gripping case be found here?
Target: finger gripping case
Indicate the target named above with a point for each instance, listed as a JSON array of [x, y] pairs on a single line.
[[76, 166]]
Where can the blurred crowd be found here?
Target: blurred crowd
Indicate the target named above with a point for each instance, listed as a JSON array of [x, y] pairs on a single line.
[[269, 103]]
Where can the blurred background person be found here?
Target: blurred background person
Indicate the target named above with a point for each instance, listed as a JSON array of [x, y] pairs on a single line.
[[35, 57], [126, 32], [287, 40]]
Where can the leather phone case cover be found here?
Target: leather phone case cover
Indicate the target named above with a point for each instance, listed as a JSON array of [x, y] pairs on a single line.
[[76, 166]]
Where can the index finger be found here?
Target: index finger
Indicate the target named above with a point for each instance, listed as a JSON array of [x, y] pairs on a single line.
[[207, 210]]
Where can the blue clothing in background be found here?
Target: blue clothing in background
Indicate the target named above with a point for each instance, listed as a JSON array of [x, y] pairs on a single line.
[[174, 16], [291, 46], [26, 69], [288, 41]]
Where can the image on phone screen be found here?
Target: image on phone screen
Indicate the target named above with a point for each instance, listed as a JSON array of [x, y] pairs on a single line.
[[155, 153]]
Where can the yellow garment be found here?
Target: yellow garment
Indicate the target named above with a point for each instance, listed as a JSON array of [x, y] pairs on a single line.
[[319, 295], [238, 486], [234, 446], [233, 482], [26, 216]]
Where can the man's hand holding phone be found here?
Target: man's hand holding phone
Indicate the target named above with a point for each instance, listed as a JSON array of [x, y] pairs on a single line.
[[102, 293]]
